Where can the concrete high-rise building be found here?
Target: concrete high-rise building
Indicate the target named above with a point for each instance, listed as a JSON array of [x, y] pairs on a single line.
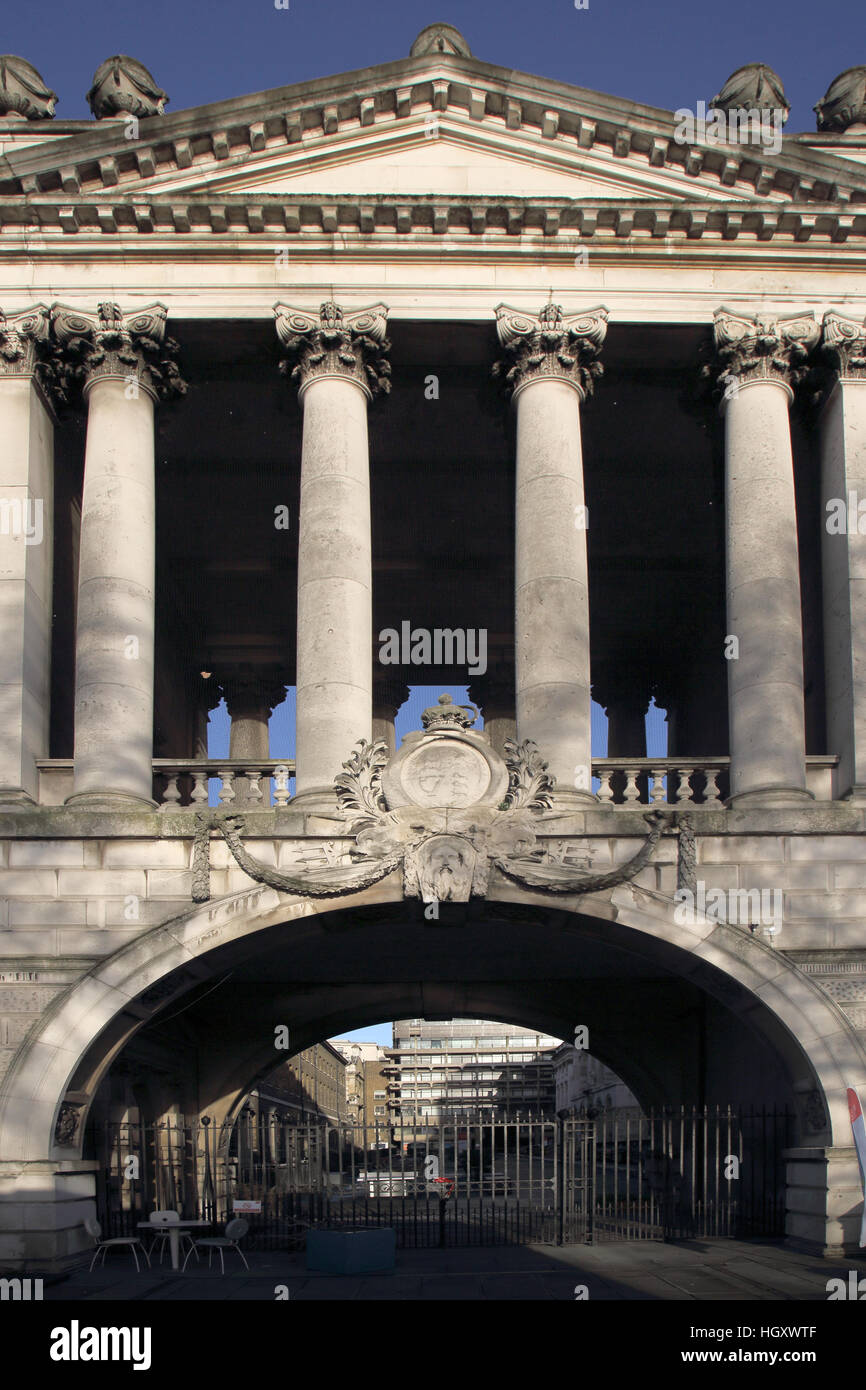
[[469, 1066]]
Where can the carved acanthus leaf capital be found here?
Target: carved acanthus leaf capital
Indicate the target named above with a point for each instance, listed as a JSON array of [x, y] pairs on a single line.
[[754, 348], [335, 343], [550, 344], [111, 343], [23, 337], [843, 342], [251, 692]]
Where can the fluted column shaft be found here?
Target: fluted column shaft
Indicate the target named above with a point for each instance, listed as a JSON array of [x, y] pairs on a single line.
[[843, 492], [765, 672], [335, 583], [26, 557], [551, 585]]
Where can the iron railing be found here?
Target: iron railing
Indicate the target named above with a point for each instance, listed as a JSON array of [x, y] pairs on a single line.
[[665, 1175]]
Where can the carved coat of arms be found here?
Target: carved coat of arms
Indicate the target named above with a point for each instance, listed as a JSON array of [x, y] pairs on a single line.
[[447, 808]]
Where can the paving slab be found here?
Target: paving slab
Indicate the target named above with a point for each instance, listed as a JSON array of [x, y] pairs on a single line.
[[688, 1271]]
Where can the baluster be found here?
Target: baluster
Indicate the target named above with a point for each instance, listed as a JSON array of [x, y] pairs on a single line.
[[281, 785], [711, 791], [657, 785], [199, 792], [631, 793], [254, 791], [227, 789], [684, 786], [171, 795], [604, 775]]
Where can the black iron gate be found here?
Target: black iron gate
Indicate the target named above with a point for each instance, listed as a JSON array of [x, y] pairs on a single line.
[[464, 1181]]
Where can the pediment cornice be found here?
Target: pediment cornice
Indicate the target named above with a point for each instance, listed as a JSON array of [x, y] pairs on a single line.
[[227, 141]]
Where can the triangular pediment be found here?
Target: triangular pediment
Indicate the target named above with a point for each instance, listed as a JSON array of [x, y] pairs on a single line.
[[440, 125]]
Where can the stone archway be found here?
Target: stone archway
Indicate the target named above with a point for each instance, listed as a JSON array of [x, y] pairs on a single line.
[[57, 1071]]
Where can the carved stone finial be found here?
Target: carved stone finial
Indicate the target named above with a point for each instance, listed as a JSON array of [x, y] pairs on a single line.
[[440, 38], [549, 344], [446, 715], [335, 343], [122, 85], [752, 348], [843, 343], [844, 104], [111, 343], [23, 94], [23, 337], [753, 86]]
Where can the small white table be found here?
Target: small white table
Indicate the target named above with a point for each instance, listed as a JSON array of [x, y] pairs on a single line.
[[172, 1229]]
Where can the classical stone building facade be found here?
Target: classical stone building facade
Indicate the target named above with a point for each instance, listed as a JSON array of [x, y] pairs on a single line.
[[180, 519]]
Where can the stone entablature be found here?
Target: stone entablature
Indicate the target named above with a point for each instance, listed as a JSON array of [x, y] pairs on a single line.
[[630, 225]]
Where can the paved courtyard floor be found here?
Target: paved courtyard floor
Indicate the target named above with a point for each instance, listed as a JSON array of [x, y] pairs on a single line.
[[686, 1271]]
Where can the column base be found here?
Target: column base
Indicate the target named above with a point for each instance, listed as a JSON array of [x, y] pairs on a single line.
[[16, 799], [315, 799], [109, 801], [572, 799], [771, 797], [855, 794]]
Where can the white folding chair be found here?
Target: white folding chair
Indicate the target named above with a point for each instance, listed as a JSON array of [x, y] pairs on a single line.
[[235, 1231], [94, 1230], [167, 1218]]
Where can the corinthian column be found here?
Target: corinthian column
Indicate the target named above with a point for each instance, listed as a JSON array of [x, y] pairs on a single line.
[[550, 367], [338, 361], [26, 553], [843, 489], [762, 359], [123, 365]]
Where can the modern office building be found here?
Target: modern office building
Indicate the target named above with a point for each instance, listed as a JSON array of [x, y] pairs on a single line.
[[468, 1066]]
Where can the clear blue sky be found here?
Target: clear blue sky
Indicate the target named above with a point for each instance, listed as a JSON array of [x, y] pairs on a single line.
[[666, 53]]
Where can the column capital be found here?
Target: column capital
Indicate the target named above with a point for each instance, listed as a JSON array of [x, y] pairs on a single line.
[[751, 348], [389, 692], [550, 344], [248, 690], [621, 685], [351, 345], [111, 343], [496, 689], [23, 340], [843, 344]]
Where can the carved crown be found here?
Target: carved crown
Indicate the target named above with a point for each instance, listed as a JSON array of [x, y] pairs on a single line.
[[446, 715]]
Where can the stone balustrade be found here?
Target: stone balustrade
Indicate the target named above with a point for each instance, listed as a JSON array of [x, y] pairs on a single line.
[[182, 783], [698, 781]]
